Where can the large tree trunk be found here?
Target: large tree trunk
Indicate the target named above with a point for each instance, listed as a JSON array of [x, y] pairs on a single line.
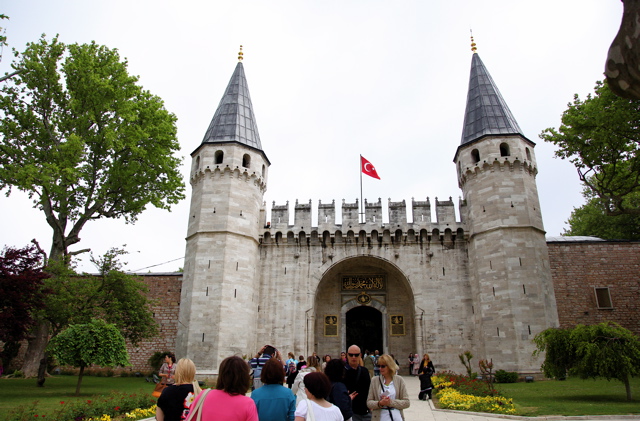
[[35, 351]]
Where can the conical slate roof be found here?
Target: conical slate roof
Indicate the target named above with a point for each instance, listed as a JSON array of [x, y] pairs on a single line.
[[487, 112], [234, 119]]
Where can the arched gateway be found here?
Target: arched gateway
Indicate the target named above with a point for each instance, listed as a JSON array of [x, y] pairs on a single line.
[[431, 282], [368, 301]]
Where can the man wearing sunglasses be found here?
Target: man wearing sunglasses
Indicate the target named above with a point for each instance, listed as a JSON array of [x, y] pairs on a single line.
[[357, 380]]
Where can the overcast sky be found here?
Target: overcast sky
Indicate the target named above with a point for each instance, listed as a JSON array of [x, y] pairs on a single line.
[[330, 80]]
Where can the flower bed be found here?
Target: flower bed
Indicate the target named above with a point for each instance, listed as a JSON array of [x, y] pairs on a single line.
[[116, 406], [461, 393]]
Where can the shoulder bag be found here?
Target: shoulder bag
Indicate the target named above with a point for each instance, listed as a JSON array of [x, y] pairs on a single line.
[[198, 407]]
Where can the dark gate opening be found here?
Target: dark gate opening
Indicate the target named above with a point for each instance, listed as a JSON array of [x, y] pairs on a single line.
[[364, 328]]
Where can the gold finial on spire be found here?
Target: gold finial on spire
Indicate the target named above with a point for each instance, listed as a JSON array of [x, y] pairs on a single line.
[[473, 44], [240, 54]]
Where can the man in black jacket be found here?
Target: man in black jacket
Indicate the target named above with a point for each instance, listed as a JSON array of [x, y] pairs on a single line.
[[357, 381]]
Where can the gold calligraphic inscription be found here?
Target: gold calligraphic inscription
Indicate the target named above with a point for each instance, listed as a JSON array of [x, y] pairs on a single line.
[[397, 324], [331, 325], [350, 283]]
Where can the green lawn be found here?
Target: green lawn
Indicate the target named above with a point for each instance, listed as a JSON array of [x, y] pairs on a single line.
[[573, 397], [20, 392]]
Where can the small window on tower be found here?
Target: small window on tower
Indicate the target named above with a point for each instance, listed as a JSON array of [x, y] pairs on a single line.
[[219, 156], [603, 298], [504, 149], [246, 161], [475, 156], [528, 154]]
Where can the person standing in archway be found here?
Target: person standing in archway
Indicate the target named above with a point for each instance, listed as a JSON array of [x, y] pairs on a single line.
[[357, 380]]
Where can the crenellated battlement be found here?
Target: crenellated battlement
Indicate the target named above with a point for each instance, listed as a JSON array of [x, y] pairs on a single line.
[[227, 171], [498, 164], [421, 228]]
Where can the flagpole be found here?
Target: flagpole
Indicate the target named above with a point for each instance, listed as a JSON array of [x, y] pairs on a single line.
[[361, 202]]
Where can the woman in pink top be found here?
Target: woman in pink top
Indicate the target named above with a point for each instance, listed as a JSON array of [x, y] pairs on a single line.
[[228, 401]]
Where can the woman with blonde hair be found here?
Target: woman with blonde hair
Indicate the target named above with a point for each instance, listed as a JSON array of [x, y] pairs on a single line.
[[175, 400], [313, 365], [388, 392]]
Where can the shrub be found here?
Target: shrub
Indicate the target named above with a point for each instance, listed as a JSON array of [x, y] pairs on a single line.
[[503, 376]]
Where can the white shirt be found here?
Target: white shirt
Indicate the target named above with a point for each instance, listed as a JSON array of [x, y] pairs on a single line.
[[320, 413], [384, 413]]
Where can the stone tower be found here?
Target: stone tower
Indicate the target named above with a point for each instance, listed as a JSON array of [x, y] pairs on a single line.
[[509, 271], [218, 308]]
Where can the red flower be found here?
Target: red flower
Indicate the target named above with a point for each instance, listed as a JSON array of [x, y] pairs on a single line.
[[61, 402], [117, 408], [88, 401]]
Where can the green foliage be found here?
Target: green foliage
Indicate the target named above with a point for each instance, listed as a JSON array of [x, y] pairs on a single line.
[[605, 350], [156, 360], [559, 351], [503, 376], [465, 359], [112, 295], [84, 140], [96, 343], [115, 404], [83, 345], [591, 219], [601, 137]]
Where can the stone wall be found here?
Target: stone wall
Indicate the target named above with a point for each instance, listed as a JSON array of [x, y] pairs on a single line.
[[577, 268], [164, 289]]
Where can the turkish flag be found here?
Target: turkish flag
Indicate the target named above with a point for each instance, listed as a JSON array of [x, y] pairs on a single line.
[[368, 169]]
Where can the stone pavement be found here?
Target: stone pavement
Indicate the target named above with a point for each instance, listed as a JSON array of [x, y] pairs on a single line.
[[425, 411]]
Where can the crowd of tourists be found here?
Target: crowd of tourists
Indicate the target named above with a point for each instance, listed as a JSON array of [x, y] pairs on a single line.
[[354, 387]]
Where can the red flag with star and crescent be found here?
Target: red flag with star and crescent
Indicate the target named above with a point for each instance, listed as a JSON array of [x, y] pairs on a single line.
[[368, 169]]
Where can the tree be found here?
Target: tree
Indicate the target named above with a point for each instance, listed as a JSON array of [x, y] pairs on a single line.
[[601, 137], [112, 295], [82, 345], [604, 350], [84, 140], [591, 219], [21, 295]]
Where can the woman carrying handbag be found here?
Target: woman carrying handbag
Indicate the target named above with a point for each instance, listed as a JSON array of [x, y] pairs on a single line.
[[228, 401]]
